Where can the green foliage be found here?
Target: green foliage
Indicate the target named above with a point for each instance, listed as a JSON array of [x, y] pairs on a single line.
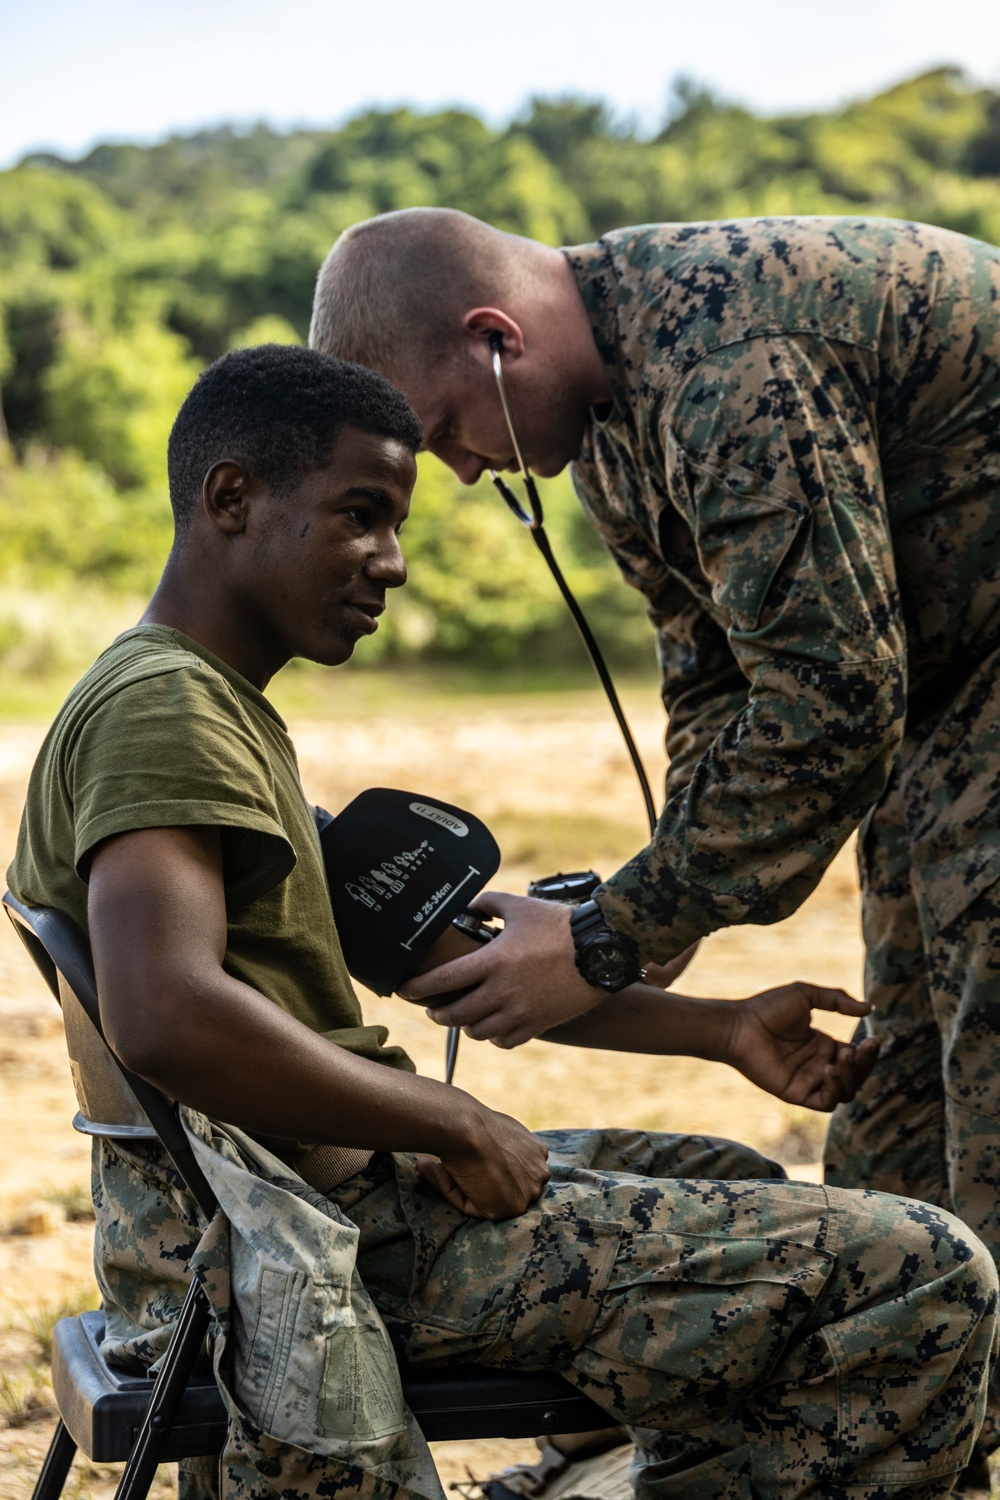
[[270, 329], [62, 519], [52, 219], [113, 395], [122, 273]]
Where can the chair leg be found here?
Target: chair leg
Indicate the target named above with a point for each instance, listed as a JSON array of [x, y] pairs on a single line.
[[56, 1466], [168, 1389]]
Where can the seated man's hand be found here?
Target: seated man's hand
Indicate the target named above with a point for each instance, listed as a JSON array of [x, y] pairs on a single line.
[[495, 1175], [522, 983], [773, 1044]]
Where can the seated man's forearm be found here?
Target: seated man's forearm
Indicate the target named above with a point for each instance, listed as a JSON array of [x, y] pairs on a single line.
[[768, 1037], [158, 930], [644, 1018]]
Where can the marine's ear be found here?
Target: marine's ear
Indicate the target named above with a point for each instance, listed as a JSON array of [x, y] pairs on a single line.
[[224, 495], [486, 325]]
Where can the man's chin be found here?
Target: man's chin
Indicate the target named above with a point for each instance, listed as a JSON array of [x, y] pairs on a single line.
[[548, 468], [330, 654]]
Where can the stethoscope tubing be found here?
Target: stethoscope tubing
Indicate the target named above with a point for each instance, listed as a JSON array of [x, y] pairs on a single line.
[[534, 521]]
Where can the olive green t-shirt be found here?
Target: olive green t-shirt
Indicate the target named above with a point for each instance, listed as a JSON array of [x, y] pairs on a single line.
[[161, 734]]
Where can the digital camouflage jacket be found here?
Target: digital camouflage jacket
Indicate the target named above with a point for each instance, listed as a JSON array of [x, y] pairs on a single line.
[[801, 473]]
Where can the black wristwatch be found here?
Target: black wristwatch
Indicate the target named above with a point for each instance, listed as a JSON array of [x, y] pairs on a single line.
[[604, 957]]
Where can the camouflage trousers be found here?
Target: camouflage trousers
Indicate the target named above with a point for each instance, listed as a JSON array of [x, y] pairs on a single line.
[[760, 1338], [926, 1124]]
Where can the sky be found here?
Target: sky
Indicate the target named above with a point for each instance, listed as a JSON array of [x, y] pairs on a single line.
[[75, 72]]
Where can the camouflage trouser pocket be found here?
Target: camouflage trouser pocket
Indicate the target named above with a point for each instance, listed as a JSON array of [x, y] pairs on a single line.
[[692, 1324], [559, 1294], [520, 1293], [316, 1366]]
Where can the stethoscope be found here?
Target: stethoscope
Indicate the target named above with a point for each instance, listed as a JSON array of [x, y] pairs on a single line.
[[534, 520]]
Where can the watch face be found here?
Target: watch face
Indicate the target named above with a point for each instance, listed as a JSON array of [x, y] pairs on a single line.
[[608, 965]]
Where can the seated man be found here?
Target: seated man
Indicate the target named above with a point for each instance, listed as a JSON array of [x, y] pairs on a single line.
[[762, 1338]]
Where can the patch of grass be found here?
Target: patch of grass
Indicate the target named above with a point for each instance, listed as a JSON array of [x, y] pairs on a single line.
[[75, 1202], [87, 1480], [26, 1396], [40, 1321], [802, 1139]]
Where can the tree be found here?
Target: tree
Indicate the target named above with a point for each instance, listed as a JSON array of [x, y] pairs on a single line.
[[113, 395]]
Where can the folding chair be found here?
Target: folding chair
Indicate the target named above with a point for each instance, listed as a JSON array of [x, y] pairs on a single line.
[[179, 1413]]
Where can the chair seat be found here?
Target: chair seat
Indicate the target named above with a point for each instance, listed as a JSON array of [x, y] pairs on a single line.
[[102, 1407]]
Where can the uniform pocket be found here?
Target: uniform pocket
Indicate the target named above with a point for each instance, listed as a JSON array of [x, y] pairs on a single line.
[[692, 1324], [742, 537], [317, 1366], [559, 1294]]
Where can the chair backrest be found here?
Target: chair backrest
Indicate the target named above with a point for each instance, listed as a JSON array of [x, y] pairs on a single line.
[[114, 1102], [107, 1105]]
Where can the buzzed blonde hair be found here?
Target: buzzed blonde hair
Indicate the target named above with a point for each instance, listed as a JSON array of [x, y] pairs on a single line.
[[392, 292]]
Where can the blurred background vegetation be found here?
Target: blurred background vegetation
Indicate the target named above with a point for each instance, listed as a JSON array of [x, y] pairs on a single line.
[[125, 272]]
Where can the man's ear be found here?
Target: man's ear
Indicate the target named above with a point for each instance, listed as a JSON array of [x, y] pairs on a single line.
[[224, 496], [480, 322]]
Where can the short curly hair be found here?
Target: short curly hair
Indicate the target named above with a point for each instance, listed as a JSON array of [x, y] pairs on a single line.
[[277, 409]]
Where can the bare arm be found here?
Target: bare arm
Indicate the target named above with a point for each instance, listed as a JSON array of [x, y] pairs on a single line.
[[157, 921], [769, 1037]]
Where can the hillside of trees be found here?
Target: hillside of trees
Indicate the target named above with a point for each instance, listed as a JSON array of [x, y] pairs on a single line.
[[123, 273]]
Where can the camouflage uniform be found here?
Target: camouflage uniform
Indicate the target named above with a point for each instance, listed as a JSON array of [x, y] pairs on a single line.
[[761, 1338], [801, 473]]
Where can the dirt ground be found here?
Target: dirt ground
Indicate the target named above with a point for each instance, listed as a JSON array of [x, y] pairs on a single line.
[[549, 777]]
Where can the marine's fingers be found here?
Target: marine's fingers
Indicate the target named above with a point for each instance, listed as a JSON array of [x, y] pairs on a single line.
[[865, 1057], [458, 973], [496, 903], [466, 1010], [488, 1029], [852, 1067], [814, 1089], [511, 1037]]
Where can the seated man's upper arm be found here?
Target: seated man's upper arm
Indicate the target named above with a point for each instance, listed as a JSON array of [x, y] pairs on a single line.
[[157, 917]]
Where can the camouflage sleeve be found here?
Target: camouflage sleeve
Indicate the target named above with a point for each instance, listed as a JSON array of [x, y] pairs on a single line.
[[771, 454], [701, 683]]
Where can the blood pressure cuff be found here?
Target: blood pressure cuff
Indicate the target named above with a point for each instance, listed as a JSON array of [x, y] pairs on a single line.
[[400, 867]]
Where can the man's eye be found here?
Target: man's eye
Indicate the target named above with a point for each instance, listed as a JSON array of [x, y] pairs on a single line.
[[361, 514]]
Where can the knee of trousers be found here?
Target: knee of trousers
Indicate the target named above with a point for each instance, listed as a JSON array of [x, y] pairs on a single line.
[[932, 1280], [974, 1287]]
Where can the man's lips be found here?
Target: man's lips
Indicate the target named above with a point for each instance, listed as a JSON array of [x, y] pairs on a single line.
[[366, 611]]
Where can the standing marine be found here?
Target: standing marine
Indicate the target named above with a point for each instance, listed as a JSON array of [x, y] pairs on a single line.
[[787, 433]]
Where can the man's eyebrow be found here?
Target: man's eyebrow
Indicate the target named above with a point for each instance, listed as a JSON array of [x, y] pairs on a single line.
[[371, 492]]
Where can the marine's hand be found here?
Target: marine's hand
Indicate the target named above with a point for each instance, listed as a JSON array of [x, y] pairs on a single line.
[[773, 1044], [495, 1175], [664, 975], [522, 983]]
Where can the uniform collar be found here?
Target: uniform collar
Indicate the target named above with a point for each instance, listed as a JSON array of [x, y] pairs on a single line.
[[597, 282]]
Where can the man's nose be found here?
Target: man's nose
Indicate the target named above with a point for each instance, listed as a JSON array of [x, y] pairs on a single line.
[[388, 565], [469, 468], [464, 465]]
